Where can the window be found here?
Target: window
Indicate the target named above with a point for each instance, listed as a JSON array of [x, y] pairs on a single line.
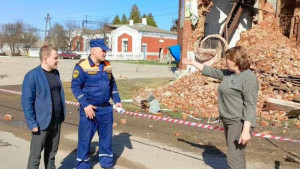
[[124, 45]]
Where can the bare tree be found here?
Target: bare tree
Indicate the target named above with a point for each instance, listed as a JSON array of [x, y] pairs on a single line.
[[12, 34], [58, 36], [30, 36], [105, 22], [70, 28], [1, 39]]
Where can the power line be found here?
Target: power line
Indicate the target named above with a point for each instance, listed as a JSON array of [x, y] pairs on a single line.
[[166, 14], [144, 12], [122, 7]]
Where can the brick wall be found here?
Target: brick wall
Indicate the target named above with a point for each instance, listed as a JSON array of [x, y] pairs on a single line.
[[129, 42], [153, 46], [183, 40], [152, 57], [74, 43], [187, 36], [183, 36]]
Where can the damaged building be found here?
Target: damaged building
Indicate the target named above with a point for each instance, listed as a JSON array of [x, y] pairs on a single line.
[[270, 36], [226, 20]]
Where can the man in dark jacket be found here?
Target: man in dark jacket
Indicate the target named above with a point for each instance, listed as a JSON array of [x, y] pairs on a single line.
[[43, 103]]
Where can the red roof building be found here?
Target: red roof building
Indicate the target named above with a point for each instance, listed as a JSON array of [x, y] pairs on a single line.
[[132, 41]]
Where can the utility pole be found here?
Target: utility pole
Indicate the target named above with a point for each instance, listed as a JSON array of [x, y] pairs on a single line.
[[84, 21], [48, 33], [46, 30]]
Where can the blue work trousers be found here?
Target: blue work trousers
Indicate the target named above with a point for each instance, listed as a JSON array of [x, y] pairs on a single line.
[[87, 129]]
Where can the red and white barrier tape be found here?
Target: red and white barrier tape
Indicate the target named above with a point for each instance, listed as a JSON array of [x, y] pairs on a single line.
[[72, 103], [205, 126], [192, 124], [10, 91]]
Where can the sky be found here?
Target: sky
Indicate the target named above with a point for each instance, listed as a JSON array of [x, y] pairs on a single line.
[[33, 12]]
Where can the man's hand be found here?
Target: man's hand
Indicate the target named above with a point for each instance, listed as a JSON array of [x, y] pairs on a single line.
[[119, 108], [119, 104], [35, 130], [89, 111]]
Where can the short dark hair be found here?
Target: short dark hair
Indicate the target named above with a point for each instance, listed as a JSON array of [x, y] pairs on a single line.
[[45, 51], [239, 56]]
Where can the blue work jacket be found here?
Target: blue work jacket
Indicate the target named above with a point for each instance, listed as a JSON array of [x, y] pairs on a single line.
[[94, 84]]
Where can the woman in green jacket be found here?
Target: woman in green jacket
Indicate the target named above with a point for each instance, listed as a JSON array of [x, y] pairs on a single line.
[[237, 98]]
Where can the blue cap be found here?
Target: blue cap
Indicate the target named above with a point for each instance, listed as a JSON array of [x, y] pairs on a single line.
[[99, 43]]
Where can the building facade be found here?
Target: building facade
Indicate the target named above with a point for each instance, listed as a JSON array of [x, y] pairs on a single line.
[[130, 42]]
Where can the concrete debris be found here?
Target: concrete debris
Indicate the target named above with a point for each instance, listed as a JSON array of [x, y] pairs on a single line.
[[154, 106]]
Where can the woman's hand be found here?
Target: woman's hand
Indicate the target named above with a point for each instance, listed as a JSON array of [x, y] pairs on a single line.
[[187, 61], [245, 137]]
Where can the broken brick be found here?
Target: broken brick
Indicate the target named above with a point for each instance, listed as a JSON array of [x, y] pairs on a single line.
[[123, 121], [297, 125], [8, 117], [177, 134], [264, 124]]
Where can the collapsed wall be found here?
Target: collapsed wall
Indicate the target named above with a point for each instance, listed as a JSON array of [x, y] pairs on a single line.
[[188, 34], [274, 59]]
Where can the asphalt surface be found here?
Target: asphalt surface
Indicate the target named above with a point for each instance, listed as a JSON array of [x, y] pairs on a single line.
[[13, 70]]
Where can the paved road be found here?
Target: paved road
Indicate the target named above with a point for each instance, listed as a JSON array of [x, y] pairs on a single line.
[[13, 70], [135, 152]]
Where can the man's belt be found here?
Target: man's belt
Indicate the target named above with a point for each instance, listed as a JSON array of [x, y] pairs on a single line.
[[103, 105]]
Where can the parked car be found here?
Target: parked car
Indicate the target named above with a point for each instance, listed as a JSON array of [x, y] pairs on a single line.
[[68, 55], [2, 54]]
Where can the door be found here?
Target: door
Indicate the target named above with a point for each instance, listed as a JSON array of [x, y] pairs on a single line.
[[161, 52], [144, 50]]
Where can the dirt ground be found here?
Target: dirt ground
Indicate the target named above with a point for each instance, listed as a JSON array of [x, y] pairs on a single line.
[[207, 144]]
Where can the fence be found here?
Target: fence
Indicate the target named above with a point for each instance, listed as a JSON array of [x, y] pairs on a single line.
[[117, 55]]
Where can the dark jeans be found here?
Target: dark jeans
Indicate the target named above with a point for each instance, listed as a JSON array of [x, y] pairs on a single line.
[[48, 141], [236, 152]]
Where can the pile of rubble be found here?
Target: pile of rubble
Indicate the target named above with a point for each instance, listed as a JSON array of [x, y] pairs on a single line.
[[269, 49], [276, 63]]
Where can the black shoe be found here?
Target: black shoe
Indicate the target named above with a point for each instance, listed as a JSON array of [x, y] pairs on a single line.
[[109, 168]]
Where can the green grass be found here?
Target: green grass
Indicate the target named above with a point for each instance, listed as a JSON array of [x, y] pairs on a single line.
[[172, 114], [127, 89], [146, 62], [68, 92]]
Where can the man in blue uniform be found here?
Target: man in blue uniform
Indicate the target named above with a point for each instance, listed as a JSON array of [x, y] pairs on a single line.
[[93, 85]]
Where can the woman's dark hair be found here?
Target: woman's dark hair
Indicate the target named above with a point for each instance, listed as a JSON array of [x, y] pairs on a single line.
[[239, 56]]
